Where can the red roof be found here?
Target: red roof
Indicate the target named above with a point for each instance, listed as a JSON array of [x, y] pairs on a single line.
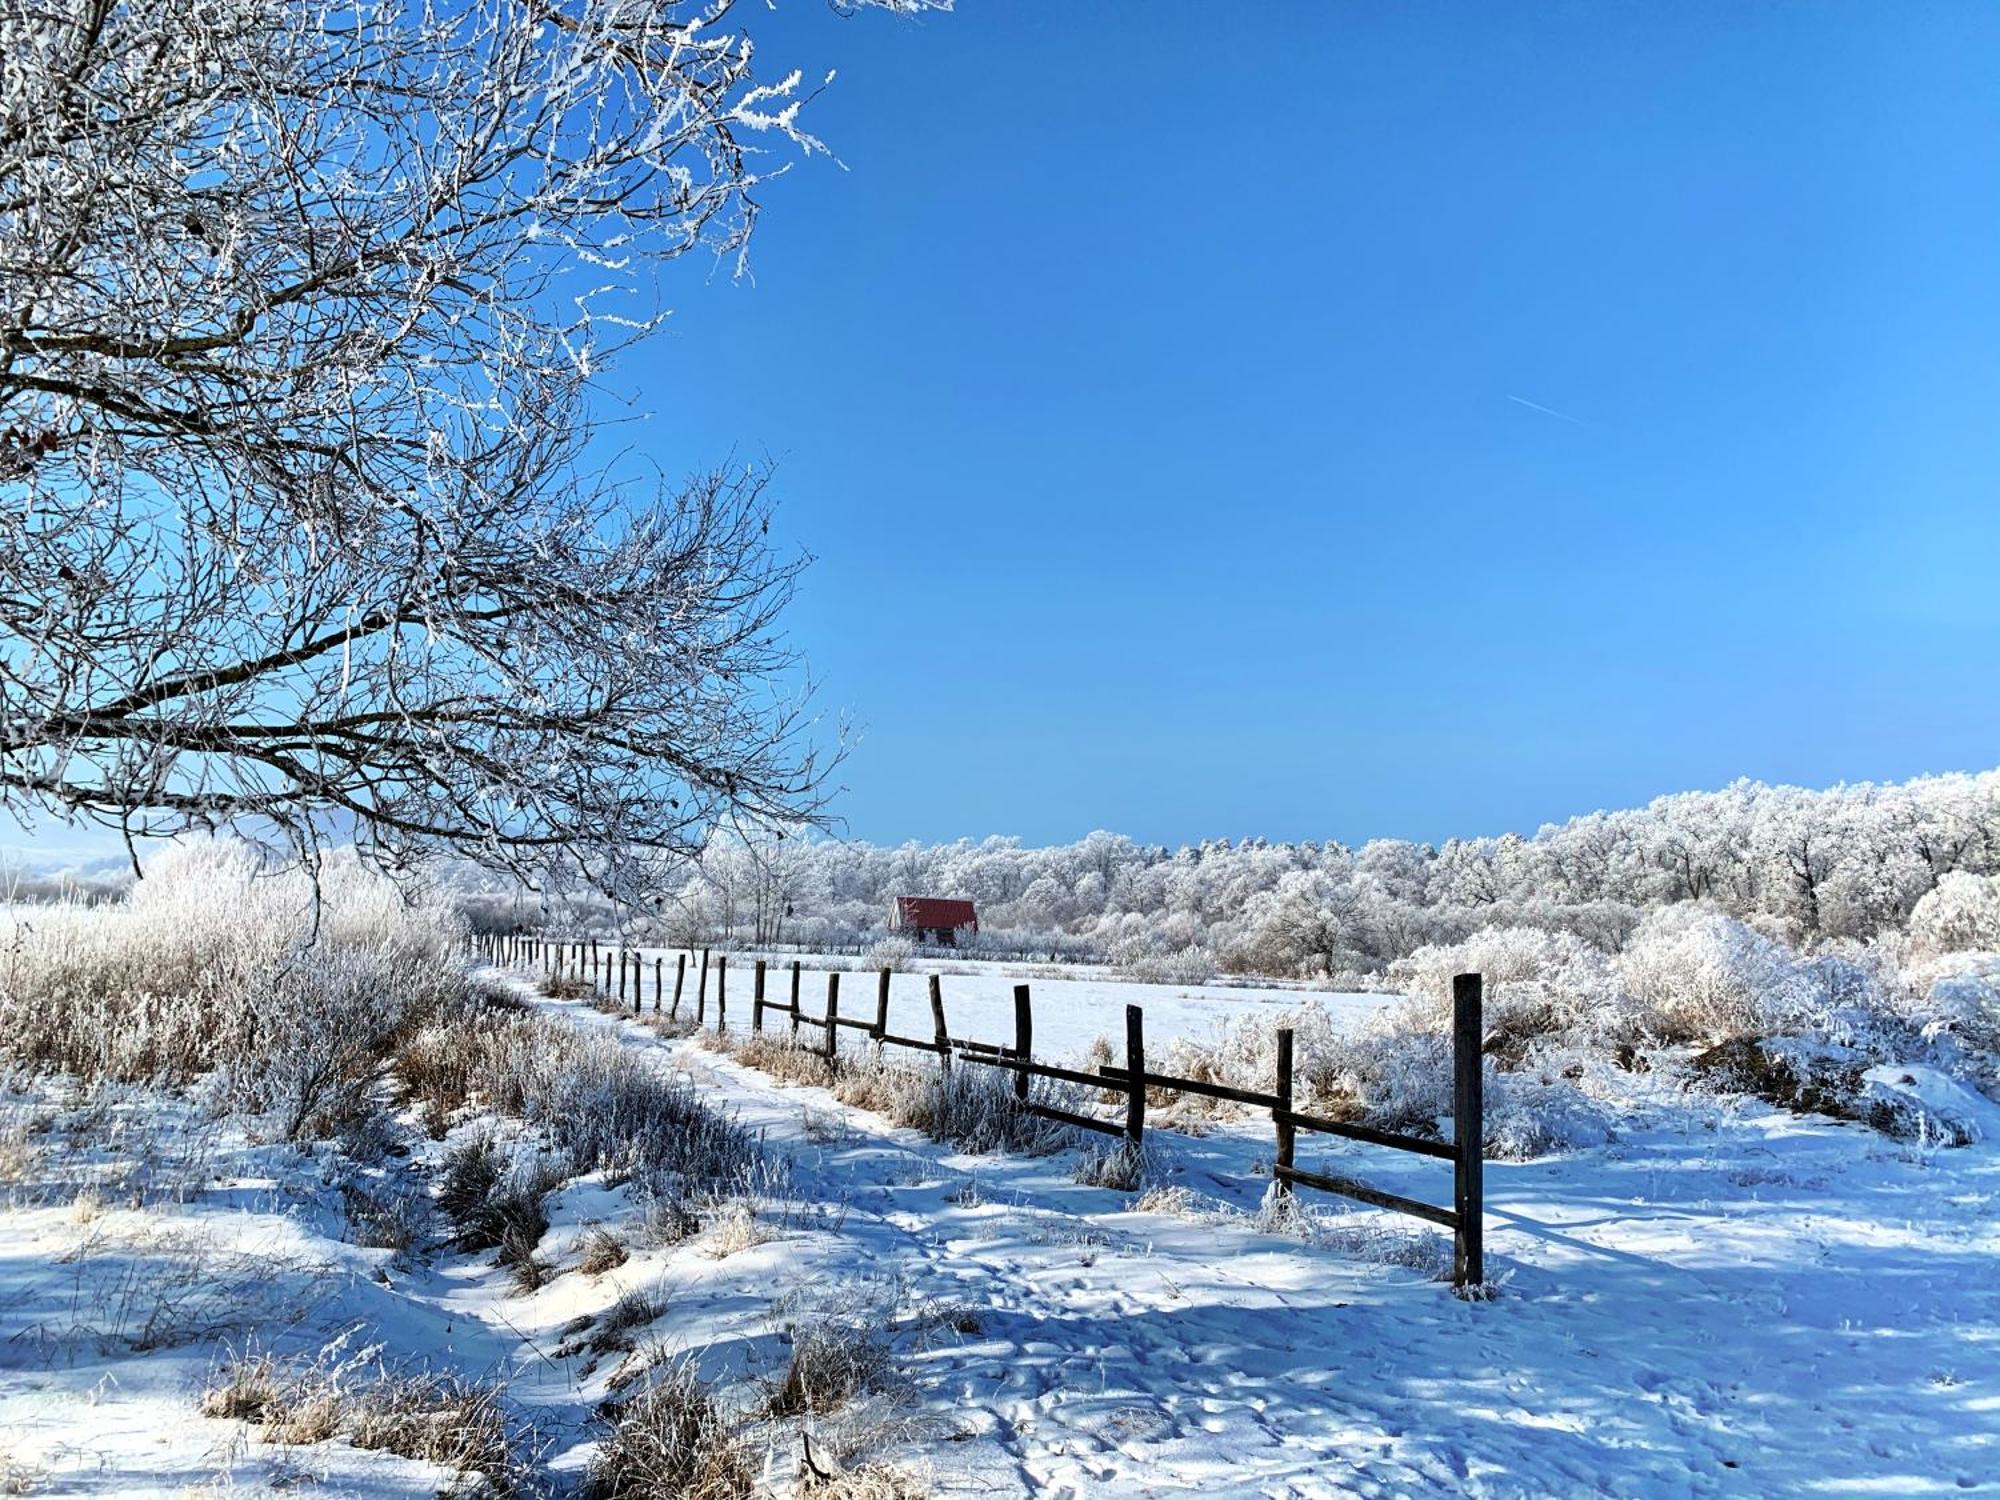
[[931, 911]]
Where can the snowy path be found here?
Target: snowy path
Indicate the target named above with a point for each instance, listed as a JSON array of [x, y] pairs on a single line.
[[1741, 1304]]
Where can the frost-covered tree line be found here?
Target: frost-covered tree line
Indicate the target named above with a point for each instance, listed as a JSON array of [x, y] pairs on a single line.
[[1809, 867]]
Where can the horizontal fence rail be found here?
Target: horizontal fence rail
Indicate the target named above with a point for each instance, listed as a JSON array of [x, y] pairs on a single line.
[[619, 974]]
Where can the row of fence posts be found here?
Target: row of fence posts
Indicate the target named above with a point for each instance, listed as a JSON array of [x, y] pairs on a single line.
[[620, 973]]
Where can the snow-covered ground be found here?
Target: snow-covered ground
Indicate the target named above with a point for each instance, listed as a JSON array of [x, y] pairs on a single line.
[[1071, 1008], [1725, 1301]]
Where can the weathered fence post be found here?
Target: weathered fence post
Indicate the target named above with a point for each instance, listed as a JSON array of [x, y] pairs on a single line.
[[638, 980], [680, 981], [1135, 1074], [659, 980], [795, 998], [1024, 1036], [722, 994], [832, 1017], [1468, 1120], [937, 1024], [757, 998], [701, 992], [1288, 1134], [881, 1026]]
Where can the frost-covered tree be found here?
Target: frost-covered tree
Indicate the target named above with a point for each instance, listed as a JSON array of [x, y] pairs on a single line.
[[300, 306]]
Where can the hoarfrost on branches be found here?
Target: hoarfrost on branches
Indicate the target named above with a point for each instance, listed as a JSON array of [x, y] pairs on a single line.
[[299, 306]]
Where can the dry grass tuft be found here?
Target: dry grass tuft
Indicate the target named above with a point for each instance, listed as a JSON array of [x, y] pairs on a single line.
[[971, 1107], [438, 1418], [671, 1439], [1122, 1167], [491, 1205], [633, 1310], [21, 1157], [782, 1058], [244, 1390], [876, 1481], [18, 1478], [839, 1352], [735, 1228], [600, 1251], [385, 1221]]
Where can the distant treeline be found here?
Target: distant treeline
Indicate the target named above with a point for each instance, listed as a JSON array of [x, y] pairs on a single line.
[[1810, 866]]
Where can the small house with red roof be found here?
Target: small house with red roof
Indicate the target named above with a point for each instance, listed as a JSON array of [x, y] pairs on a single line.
[[931, 919]]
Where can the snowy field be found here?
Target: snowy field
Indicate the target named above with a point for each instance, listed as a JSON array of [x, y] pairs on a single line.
[[1071, 1010], [1727, 1300]]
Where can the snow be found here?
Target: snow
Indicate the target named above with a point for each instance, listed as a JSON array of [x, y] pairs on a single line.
[[1726, 1300], [1070, 1011]]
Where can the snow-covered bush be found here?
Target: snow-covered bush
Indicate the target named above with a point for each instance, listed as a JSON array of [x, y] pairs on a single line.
[[1538, 1114], [891, 952], [1693, 975], [1961, 915], [1537, 984], [1955, 1002], [1149, 962]]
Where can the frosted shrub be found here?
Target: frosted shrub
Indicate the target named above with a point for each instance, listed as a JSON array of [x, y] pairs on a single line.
[[891, 953], [1958, 996], [217, 964], [1529, 1115], [1244, 1053], [1151, 962], [1691, 975], [1961, 915], [1537, 983]]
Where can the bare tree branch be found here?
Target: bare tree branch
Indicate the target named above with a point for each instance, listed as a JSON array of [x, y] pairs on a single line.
[[299, 310]]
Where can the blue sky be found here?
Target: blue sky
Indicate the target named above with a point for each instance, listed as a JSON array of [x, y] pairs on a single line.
[[1339, 420], [1161, 389]]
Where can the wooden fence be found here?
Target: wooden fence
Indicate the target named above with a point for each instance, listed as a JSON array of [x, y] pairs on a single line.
[[621, 974]]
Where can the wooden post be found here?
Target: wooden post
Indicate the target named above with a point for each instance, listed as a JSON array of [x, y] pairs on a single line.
[[757, 998], [680, 979], [832, 1017], [1024, 1036], [722, 994], [1468, 1122], [638, 980], [795, 997], [881, 1028], [1288, 1134], [1135, 1074], [942, 1037], [701, 992], [659, 981]]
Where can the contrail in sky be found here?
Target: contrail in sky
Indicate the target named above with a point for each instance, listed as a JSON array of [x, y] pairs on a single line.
[[1547, 411]]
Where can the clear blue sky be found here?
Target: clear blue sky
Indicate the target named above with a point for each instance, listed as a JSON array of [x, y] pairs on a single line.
[[1153, 387]]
